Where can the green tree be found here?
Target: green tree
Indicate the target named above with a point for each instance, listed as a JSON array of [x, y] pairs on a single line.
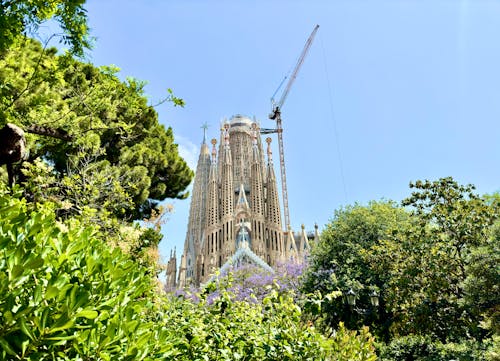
[[20, 18], [432, 266], [341, 261], [110, 152]]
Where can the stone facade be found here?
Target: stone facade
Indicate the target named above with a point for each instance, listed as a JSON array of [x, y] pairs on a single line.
[[235, 209]]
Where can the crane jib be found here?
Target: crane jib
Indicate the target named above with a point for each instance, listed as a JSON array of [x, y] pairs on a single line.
[[297, 68], [276, 115]]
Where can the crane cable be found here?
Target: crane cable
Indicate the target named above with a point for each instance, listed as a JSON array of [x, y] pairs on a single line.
[[334, 121]]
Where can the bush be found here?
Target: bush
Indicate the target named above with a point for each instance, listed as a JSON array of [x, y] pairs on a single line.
[[64, 294], [421, 348], [215, 325]]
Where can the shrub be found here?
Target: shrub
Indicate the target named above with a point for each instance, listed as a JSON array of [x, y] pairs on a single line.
[[421, 348], [64, 294]]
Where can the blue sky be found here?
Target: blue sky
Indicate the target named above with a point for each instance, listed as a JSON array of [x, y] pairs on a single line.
[[390, 92]]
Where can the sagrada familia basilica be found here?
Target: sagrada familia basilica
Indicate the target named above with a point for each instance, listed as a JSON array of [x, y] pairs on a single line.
[[235, 216]]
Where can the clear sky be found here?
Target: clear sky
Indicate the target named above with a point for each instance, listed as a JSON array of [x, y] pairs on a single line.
[[390, 92]]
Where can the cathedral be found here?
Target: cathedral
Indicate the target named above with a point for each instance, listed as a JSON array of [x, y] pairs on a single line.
[[235, 214]]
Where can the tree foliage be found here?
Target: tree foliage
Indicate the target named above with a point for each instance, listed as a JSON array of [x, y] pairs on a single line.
[[434, 264], [340, 261], [117, 157], [433, 260], [20, 18], [65, 293]]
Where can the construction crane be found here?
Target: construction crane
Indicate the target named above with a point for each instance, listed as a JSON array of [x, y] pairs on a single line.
[[276, 115]]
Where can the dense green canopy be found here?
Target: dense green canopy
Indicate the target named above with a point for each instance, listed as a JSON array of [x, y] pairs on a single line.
[[109, 149], [434, 264]]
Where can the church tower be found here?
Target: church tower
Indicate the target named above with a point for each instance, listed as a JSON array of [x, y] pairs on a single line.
[[235, 213]]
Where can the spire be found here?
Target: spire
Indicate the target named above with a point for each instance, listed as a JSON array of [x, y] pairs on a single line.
[[269, 151], [304, 242], [273, 204], [255, 147], [214, 151], [291, 247], [204, 127], [212, 214], [181, 280], [256, 171], [197, 210], [204, 148], [316, 233], [226, 149], [226, 136], [227, 190]]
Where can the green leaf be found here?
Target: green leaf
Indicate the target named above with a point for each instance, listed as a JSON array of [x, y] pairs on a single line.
[[25, 329], [51, 292], [90, 314], [68, 324], [7, 347]]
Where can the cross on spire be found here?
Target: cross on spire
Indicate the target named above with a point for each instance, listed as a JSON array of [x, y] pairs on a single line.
[[204, 127]]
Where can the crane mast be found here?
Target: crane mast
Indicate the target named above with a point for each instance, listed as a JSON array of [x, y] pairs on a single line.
[[276, 115]]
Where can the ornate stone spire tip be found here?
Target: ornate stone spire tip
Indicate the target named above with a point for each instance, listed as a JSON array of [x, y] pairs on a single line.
[[204, 127]]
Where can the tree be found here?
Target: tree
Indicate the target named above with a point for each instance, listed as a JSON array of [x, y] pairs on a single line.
[[115, 157], [19, 18], [341, 261], [433, 264]]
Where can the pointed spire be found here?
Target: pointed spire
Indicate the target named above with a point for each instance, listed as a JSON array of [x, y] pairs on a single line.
[[204, 127], [226, 176], [226, 135], [212, 212], [214, 151], [226, 154], [181, 279], [273, 208], [304, 242], [291, 247], [316, 233], [255, 145], [269, 151], [255, 129]]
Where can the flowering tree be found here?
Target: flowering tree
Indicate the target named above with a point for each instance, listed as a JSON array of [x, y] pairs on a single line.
[[252, 283]]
